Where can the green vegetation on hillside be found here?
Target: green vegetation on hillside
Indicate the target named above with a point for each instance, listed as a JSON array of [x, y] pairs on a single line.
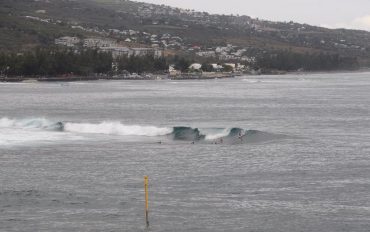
[[288, 61], [54, 62], [45, 62]]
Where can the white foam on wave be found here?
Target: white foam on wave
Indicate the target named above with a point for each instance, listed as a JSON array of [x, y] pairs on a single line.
[[41, 123], [212, 134], [6, 122], [31, 131], [116, 128], [108, 128], [21, 137]]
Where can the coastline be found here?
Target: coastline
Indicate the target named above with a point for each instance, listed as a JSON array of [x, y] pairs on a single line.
[[186, 76], [123, 77]]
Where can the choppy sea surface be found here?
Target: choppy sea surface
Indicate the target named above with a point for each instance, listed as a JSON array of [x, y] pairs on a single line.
[[255, 153]]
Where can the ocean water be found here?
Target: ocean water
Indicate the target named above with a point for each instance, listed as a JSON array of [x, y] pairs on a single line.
[[255, 153]]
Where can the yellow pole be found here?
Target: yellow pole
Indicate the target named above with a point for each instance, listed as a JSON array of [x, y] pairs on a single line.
[[146, 183]]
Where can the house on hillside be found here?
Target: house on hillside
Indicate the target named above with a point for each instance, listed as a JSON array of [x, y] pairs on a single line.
[[157, 53], [207, 54], [67, 41], [217, 67], [195, 67], [99, 43], [173, 71], [118, 51], [231, 65], [128, 52]]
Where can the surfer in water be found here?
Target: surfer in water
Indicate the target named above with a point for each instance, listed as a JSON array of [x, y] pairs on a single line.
[[241, 135]]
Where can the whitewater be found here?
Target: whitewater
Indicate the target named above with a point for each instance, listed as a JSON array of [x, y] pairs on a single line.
[[254, 153], [23, 131]]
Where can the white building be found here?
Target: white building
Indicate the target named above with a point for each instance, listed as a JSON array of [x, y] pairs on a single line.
[[195, 66], [118, 51], [157, 53], [67, 41], [128, 52], [98, 43], [173, 71], [217, 67], [232, 65]]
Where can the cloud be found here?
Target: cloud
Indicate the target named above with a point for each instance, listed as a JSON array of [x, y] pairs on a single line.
[[361, 23]]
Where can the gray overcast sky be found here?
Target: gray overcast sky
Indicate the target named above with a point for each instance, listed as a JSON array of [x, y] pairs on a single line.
[[329, 13]]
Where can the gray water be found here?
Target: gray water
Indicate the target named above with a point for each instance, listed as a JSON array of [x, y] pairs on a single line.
[[89, 177]]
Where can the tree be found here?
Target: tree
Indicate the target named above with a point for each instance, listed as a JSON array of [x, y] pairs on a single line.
[[227, 68], [207, 67], [181, 63]]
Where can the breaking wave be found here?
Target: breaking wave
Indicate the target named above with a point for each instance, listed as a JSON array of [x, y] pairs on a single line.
[[230, 135], [108, 128], [32, 123], [115, 128]]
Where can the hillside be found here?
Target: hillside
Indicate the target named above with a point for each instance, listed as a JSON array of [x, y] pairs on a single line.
[[26, 24]]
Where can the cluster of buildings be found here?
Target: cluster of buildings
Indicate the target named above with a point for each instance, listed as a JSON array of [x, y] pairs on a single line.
[[198, 68], [303, 35], [165, 40], [151, 10], [108, 45], [67, 41], [227, 53], [128, 52], [166, 14]]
